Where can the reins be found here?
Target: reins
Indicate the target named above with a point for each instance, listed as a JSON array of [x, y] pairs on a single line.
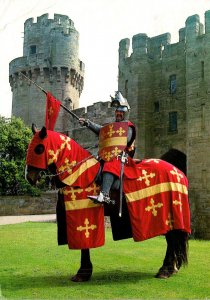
[[43, 173]]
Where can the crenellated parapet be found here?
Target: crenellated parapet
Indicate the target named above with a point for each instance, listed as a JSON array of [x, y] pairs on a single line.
[[56, 39], [47, 76], [153, 47], [44, 20]]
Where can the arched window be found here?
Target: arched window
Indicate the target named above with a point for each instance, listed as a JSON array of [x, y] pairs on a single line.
[[172, 84], [172, 121], [33, 49]]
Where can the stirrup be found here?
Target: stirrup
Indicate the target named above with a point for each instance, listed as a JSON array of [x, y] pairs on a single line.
[[102, 198]]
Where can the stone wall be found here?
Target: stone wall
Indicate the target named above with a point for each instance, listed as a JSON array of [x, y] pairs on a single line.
[[26, 205]]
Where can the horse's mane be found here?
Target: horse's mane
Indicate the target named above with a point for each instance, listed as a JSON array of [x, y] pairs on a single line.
[[176, 158]]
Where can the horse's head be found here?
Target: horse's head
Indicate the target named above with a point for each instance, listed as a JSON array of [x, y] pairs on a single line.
[[71, 164], [46, 148]]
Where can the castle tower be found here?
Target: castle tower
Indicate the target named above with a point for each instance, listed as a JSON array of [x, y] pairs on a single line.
[[50, 58]]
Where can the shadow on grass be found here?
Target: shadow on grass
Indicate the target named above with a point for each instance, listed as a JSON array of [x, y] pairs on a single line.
[[119, 276], [112, 277]]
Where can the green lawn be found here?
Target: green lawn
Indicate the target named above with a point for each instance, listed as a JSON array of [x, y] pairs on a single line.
[[32, 266]]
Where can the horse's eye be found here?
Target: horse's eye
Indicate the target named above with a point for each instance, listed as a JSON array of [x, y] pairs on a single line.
[[39, 149]]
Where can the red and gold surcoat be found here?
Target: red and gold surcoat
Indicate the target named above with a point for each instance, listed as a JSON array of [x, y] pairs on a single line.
[[112, 140]]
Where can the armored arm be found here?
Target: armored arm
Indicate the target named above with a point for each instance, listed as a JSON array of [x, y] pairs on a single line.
[[89, 124], [130, 149], [130, 135]]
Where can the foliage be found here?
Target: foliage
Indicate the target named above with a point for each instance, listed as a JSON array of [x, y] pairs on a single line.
[[32, 266], [14, 139]]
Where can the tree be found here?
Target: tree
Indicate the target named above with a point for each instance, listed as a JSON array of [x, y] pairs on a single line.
[[14, 140]]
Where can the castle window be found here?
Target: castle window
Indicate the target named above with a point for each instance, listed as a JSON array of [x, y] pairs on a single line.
[[126, 88], [203, 116], [172, 121], [156, 106], [202, 69], [172, 84], [33, 49]]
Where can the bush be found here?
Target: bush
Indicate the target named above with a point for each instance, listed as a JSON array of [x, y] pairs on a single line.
[[14, 139]]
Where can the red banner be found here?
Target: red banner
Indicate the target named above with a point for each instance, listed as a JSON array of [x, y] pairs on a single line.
[[52, 111]]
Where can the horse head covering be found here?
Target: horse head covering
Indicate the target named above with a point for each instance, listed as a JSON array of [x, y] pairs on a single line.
[[71, 160]]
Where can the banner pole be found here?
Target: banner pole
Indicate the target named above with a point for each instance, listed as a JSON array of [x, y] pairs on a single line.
[[63, 106]]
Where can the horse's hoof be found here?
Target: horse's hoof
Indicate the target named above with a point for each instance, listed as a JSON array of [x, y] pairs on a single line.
[[162, 276], [82, 275], [163, 273], [80, 278]]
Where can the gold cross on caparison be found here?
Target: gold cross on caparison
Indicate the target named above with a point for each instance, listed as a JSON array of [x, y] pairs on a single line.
[[86, 228], [153, 207], [146, 177], [178, 175]]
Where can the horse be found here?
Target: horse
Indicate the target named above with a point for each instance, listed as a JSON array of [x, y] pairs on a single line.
[[155, 200]]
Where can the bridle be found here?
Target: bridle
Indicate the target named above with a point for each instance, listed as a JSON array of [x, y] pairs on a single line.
[[42, 173]]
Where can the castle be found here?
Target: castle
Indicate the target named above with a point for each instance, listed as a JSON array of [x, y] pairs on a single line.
[[167, 86]]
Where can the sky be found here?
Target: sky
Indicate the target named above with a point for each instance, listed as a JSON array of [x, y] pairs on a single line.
[[101, 25]]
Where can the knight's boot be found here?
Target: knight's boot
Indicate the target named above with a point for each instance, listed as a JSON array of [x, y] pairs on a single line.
[[102, 198]]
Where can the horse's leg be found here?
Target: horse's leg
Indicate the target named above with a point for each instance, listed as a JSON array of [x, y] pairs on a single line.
[[169, 263], [176, 253], [85, 271]]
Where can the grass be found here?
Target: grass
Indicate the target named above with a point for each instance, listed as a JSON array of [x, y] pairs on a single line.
[[32, 266]]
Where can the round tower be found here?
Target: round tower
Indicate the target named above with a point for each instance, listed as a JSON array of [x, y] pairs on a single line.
[[50, 58]]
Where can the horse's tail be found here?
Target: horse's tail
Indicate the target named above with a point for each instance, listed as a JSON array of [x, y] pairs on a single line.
[[181, 248], [176, 158], [177, 250]]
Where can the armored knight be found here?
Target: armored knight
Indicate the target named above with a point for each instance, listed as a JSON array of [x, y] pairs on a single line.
[[116, 143]]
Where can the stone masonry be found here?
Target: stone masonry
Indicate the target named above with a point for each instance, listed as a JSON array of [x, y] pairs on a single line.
[[167, 86]]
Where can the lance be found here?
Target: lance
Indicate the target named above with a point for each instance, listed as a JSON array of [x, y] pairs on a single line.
[[39, 87]]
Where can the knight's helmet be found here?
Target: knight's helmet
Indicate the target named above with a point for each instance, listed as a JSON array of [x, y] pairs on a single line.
[[121, 104]]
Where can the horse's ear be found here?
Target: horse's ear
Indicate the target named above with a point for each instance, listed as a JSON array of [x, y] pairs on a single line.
[[34, 128], [43, 133]]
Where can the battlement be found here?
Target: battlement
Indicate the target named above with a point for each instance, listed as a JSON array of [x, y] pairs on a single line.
[[52, 42], [45, 76], [97, 112], [154, 46], [59, 20]]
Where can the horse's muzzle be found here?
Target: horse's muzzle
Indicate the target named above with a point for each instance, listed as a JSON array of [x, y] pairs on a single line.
[[32, 175]]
